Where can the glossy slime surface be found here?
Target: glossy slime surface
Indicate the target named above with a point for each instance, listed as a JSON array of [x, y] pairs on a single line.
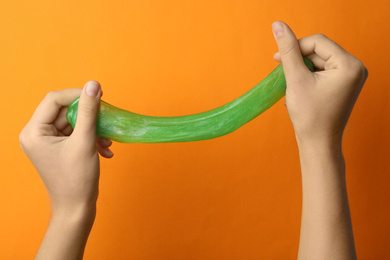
[[127, 127]]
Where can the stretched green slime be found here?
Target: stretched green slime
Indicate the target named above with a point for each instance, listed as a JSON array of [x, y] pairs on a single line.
[[127, 127]]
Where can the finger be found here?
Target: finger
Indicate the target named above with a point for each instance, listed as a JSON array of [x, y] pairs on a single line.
[[103, 142], [277, 57], [88, 108], [104, 152], [60, 122], [289, 50], [67, 131], [319, 63], [326, 49], [48, 109]]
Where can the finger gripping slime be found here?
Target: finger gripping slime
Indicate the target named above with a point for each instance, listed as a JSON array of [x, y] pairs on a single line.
[[127, 127]]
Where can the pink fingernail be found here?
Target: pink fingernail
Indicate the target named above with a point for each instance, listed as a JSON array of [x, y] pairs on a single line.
[[92, 89], [278, 29]]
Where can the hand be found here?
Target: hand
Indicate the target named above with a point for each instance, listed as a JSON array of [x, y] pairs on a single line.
[[319, 103], [67, 160]]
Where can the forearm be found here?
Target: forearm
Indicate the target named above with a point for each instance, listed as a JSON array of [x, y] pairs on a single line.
[[67, 234], [326, 230]]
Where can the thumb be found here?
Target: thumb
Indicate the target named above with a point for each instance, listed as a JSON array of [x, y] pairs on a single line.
[[87, 112], [289, 51]]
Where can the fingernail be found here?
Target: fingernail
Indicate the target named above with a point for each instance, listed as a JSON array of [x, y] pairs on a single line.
[[110, 153], [107, 142], [92, 89], [278, 29]]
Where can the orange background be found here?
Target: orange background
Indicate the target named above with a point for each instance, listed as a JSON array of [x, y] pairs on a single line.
[[234, 197]]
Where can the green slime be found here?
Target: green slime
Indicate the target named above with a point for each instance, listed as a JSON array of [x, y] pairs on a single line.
[[127, 127]]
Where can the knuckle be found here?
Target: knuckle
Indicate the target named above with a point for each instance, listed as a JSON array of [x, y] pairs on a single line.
[[22, 137], [25, 139], [51, 95], [356, 68], [320, 36], [365, 71], [87, 111], [287, 49]]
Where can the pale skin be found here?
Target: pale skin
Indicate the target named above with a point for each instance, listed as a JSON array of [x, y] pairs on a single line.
[[319, 104], [68, 163]]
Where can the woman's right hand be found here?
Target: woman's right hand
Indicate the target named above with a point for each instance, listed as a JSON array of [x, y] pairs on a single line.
[[319, 103]]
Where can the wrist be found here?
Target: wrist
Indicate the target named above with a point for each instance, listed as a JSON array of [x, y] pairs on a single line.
[[321, 157], [320, 148], [68, 232], [321, 144]]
